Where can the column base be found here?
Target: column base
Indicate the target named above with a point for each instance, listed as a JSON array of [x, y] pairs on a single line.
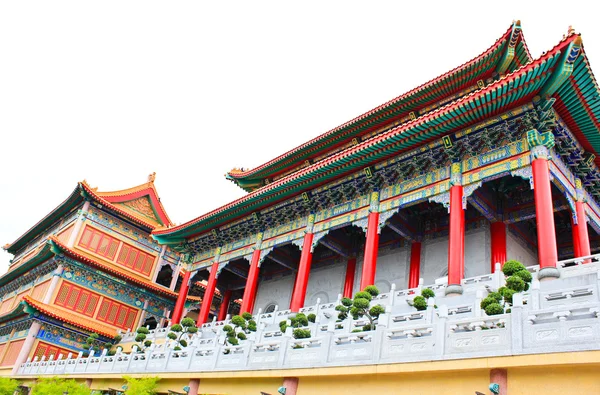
[[548, 273], [454, 290]]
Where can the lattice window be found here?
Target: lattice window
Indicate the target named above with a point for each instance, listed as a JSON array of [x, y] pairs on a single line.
[[48, 350], [12, 353], [117, 314], [77, 299], [100, 243], [136, 259]]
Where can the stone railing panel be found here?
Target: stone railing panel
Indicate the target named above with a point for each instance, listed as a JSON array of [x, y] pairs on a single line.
[[479, 336]]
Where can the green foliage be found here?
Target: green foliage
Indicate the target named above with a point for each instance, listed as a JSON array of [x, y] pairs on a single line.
[[176, 328], [140, 338], [143, 329], [346, 302], [229, 328], [147, 343], [420, 303], [188, 322], [247, 316], [524, 275], [511, 267], [360, 306], [376, 311], [361, 303], [372, 290], [363, 295], [238, 320], [300, 333], [183, 343], [356, 330], [298, 320], [232, 340], [241, 336], [488, 300], [427, 293], [8, 386], [141, 386], [172, 335], [58, 386], [494, 309], [312, 317], [515, 283], [496, 296], [508, 295]]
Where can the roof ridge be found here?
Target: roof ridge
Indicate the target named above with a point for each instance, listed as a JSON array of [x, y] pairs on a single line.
[[363, 144]]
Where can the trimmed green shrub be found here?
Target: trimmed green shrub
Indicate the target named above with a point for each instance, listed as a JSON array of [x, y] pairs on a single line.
[[511, 267], [247, 316], [363, 295], [494, 309], [376, 311], [141, 386], [420, 303], [8, 385], [300, 333], [312, 317], [241, 326], [57, 385], [360, 306], [347, 302], [488, 300], [427, 293], [371, 290]]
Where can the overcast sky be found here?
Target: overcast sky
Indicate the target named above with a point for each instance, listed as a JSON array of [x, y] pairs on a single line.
[[111, 91]]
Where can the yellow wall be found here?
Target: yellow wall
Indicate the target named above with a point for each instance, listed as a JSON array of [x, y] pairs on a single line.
[[554, 380], [243, 386]]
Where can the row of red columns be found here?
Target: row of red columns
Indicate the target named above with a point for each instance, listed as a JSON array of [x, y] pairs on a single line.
[[547, 251]]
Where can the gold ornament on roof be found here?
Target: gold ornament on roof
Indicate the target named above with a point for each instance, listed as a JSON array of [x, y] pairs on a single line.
[[152, 177]]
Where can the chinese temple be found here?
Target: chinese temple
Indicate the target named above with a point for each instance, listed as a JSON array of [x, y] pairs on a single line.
[[492, 161]]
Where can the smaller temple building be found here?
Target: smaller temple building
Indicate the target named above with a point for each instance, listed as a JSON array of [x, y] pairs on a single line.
[[89, 266]]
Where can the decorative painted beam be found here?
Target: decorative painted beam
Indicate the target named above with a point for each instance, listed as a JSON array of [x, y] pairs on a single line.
[[334, 246], [483, 205], [236, 271], [509, 51], [529, 212], [282, 261]]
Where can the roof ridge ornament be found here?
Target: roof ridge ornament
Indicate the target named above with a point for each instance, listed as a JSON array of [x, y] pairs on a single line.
[[152, 177]]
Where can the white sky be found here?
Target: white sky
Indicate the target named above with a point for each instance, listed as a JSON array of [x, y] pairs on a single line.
[[111, 91]]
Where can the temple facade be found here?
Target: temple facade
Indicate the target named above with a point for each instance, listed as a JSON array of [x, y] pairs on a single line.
[[493, 161], [90, 266]]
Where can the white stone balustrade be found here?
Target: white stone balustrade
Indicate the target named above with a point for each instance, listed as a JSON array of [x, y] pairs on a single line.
[[556, 316]]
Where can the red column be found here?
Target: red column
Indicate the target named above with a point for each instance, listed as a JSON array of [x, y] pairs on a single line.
[[299, 292], [251, 284], [576, 241], [349, 281], [415, 264], [180, 304], [544, 215], [371, 247], [209, 293], [582, 230], [456, 241], [498, 231], [224, 305]]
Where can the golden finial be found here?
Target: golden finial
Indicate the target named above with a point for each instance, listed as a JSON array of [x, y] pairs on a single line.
[[571, 30], [152, 177]]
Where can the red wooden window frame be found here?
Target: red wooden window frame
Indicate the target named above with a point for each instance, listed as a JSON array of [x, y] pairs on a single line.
[[135, 259], [77, 299], [46, 350], [99, 243], [117, 314]]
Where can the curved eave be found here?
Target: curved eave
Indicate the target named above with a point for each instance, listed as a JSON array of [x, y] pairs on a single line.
[[510, 91], [17, 311], [42, 255], [31, 305], [578, 104], [59, 248], [430, 92]]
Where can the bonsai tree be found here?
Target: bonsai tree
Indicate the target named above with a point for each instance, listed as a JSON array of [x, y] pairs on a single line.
[[92, 344], [179, 332], [297, 322], [241, 326], [518, 279], [420, 302], [141, 386], [360, 306], [57, 385], [140, 338]]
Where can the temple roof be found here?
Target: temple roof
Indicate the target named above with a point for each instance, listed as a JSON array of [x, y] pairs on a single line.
[[67, 316], [507, 54], [546, 77], [139, 205]]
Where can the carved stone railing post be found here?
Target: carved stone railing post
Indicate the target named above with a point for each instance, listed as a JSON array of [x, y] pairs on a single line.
[[516, 326], [440, 330]]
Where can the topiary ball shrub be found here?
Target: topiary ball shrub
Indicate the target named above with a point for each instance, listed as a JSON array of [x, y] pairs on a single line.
[[511, 267], [361, 303], [524, 275], [233, 341], [347, 302], [247, 316], [241, 336], [495, 295], [494, 309], [143, 329], [376, 311], [488, 300], [371, 290], [427, 293], [311, 317], [238, 320], [515, 283], [420, 303], [508, 293], [300, 333], [363, 295]]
